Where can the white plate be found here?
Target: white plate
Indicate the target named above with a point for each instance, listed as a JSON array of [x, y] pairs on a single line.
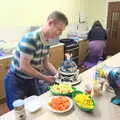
[[68, 73], [57, 111], [32, 103], [68, 82]]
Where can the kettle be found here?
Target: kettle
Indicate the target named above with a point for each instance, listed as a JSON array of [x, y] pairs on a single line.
[[114, 77], [114, 80]]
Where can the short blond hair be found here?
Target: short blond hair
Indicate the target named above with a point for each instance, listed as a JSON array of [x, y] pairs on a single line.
[[58, 17]]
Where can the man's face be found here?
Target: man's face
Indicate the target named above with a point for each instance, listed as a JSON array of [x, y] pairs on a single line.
[[56, 29]]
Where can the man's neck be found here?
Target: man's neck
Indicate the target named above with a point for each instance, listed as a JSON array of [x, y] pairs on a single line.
[[44, 30]]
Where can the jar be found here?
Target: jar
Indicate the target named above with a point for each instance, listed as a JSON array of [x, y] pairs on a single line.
[[19, 109], [88, 88], [96, 90]]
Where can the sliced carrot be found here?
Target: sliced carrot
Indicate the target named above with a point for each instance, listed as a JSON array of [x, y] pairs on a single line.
[[59, 103]]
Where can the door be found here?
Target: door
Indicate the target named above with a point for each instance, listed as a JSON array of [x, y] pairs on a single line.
[[113, 27]]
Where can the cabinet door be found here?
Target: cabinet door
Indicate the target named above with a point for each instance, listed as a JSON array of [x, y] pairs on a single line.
[[57, 55], [113, 28], [83, 48], [4, 65]]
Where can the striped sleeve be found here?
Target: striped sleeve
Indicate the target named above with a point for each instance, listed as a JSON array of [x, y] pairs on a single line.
[[27, 46]]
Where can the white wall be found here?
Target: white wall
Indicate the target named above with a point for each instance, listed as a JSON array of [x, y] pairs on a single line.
[[34, 12], [12, 34], [113, 0], [16, 15]]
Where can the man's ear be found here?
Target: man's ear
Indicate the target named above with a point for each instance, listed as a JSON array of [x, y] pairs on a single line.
[[50, 22]]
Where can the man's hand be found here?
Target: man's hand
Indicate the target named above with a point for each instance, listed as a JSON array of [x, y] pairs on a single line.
[[50, 79]]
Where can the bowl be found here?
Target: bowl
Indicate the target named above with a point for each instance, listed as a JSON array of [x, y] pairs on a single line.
[[84, 101], [62, 89], [60, 104], [32, 103]]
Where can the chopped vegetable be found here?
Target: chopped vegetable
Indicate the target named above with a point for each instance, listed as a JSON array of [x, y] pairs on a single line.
[[62, 88], [59, 103], [84, 101]]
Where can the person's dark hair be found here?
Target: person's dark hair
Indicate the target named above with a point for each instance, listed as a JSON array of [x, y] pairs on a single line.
[[58, 17], [97, 24]]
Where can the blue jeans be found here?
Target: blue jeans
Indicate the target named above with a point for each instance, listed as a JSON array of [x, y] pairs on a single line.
[[19, 88]]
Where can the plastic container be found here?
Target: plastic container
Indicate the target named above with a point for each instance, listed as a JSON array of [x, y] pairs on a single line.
[[19, 109], [98, 80], [88, 89], [96, 75], [96, 90], [33, 104], [96, 84]]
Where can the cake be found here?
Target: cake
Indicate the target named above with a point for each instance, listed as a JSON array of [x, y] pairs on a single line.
[[68, 71]]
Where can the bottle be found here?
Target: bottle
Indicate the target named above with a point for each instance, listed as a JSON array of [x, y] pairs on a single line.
[[19, 109], [96, 75], [101, 72], [96, 82], [96, 91], [99, 66]]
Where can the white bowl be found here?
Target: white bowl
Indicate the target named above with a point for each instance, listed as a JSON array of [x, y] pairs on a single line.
[[57, 111], [32, 103]]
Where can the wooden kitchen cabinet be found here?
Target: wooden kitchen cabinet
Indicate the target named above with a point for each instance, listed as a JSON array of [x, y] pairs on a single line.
[[83, 50], [4, 65], [57, 54]]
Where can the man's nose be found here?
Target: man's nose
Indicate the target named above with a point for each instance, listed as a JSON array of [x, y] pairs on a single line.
[[60, 33]]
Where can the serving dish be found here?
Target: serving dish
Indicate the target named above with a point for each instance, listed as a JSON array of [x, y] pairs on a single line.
[[84, 101], [62, 89], [60, 104]]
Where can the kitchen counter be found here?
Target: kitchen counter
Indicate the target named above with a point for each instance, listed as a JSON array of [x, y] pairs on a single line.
[[105, 110], [10, 55], [5, 57], [52, 45], [56, 45]]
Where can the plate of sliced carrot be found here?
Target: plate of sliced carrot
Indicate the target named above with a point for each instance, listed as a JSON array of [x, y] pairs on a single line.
[[60, 104]]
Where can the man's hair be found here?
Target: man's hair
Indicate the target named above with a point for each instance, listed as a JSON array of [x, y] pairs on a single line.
[[58, 17]]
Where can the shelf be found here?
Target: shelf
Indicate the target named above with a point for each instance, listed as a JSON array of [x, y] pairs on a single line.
[[69, 50]]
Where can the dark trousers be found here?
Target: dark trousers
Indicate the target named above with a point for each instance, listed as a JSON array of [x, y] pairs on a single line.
[[19, 88]]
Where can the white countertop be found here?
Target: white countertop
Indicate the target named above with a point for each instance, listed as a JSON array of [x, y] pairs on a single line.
[[56, 45], [5, 57], [105, 110]]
